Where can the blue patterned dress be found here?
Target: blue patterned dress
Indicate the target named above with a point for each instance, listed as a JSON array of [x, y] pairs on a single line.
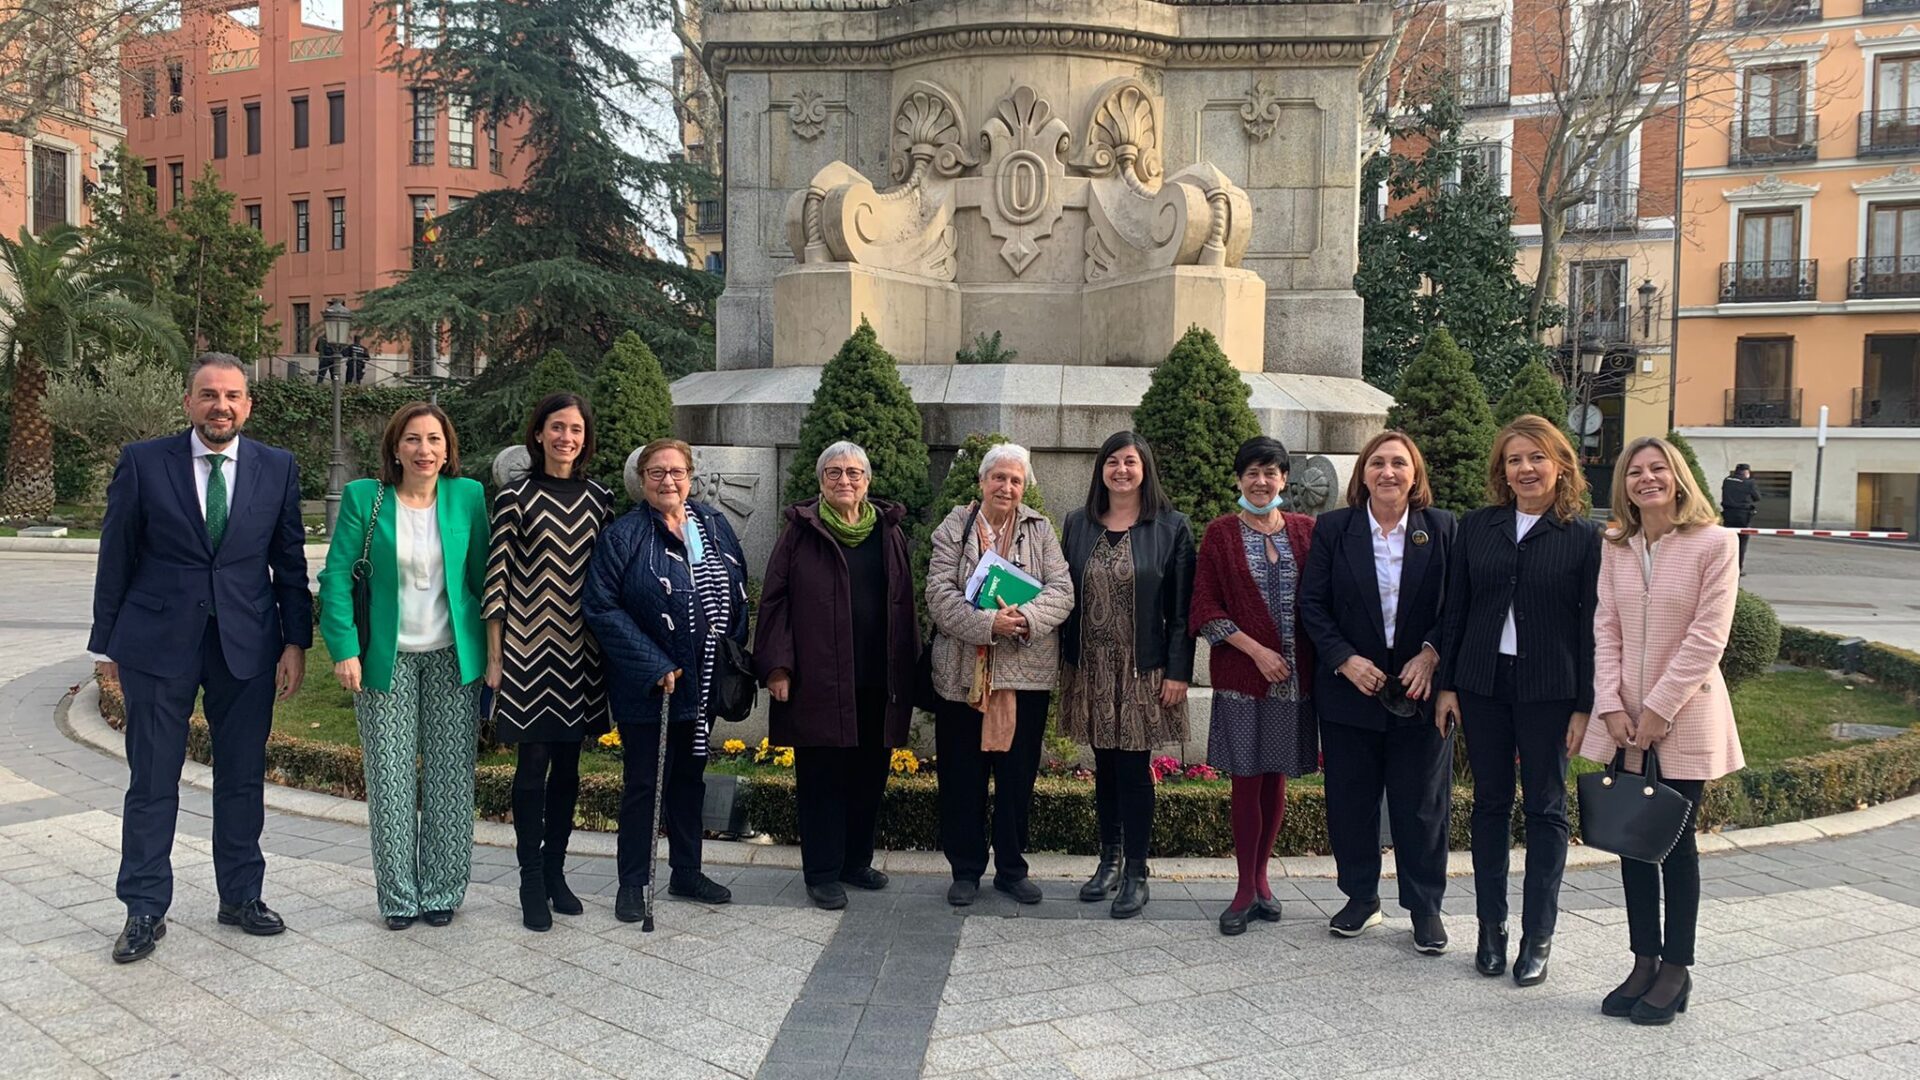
[[1276, 733]]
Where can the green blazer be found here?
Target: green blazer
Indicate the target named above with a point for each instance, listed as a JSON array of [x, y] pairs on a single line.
[[462, 509]]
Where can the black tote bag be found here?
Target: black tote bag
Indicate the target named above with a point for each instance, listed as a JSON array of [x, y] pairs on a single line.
[[362, 587], [1633, 816]]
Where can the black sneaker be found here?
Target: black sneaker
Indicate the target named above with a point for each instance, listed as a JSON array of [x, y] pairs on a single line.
[[963, 892], [865, 878], [1429, 935], [828, 895], [1021, 889], [694, 885], [1356, 918]]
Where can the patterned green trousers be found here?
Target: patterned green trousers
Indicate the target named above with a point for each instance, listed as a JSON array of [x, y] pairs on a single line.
[[417, 744]]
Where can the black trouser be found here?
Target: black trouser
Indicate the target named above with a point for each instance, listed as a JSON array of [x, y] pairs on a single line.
[[962, 774], [838, 791], [546, 787], [1738, 518], [686, 795], [1682, 873], [1499, 729], [1123, 800], [1413, 765], [239, 715]]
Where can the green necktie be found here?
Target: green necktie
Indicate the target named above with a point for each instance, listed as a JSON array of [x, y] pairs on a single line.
[[216, 499]]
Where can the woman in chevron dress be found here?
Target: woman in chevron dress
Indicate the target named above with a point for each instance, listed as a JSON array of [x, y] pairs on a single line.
[[542, 663]]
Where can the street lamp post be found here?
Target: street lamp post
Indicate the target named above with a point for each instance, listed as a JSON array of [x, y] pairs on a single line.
[[338, 321]]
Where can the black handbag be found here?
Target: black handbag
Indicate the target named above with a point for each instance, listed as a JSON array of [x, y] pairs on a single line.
[[925, 697], [362, 586], [734, 684], [1634, 817]]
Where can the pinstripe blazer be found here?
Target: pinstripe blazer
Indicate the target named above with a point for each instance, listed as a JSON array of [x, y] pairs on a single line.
[[1548, 579]]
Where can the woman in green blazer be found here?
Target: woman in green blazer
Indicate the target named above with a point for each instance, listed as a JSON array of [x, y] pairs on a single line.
[[417, 688]]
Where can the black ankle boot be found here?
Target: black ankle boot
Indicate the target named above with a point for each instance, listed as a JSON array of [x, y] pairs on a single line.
[[1133, 890], [533, 900], [553, 864], [1106, 876], [1530, 963], [1490, 958]]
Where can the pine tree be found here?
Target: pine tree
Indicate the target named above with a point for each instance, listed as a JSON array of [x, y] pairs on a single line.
[[1195, 415], [1443, 406], [1693, 465], [221, 268], [129, 234], [861, 399], [1533, 390], [632, 406]]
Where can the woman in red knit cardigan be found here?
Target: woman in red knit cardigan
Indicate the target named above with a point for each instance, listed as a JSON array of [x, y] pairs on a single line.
[[1246, 604]]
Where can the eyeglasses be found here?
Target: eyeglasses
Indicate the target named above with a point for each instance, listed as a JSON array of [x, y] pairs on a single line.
[[668, 474], [835, 472]]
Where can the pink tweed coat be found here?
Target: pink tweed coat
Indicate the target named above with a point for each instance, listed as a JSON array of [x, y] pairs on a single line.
[[1659, 647]]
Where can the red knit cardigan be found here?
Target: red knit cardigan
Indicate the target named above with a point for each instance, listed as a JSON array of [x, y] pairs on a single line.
[[1223, 589]]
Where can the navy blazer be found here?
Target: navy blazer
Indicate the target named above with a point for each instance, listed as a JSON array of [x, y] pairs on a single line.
[[159, 579], [1340, 608]]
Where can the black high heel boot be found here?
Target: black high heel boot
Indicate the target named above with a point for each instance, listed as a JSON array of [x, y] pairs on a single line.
[[1649, 1015], [1133, 891], [1106, 876], [553, 878], [1530, 963], [1490, 957], [1628, 994], [533, 900]]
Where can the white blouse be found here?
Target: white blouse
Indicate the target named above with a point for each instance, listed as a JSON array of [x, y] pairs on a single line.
[[426, 623], [1510, 634]]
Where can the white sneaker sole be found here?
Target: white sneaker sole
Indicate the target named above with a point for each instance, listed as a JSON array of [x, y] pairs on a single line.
[[1372, 921]]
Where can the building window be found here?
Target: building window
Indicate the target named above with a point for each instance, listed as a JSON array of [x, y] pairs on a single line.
[[177, 183], [219, 133], [423, 238], [1892, 265], [1482, 158], [336, 117], [459, 133], [716, 262], [709, 216], [420, 349], [493, 145], [149, 80], [337, 211], [1763, 394], [300, 230], [302, 328], [49, 188], [299, 123], [176, 86], [1890, 392], [1769, 253], [1775, 105], [252, 111], [1609, 42], [423, 125], [153, 179], [1597, 308], [1481, 77], [253, 217]]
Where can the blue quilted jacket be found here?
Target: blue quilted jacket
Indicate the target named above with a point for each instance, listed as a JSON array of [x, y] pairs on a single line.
[[641, 607]]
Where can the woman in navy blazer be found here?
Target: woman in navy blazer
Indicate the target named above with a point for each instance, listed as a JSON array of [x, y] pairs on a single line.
[[1376, 576], [1517, 668]]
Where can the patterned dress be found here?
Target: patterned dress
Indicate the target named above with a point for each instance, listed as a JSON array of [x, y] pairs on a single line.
[[1276, 733], [551, 688], [1104, 702]]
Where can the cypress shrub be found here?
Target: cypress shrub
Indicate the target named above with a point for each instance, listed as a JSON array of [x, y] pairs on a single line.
[[1443, 406], [632, 405], [1681, 444], [553, 374], [1533, 390], [1195, 415], [1754, 642], [861, 399]]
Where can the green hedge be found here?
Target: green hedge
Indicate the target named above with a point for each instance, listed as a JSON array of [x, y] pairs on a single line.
[[297, 414]]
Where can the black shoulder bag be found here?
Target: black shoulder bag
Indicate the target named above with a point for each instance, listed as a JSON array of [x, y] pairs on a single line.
[[363, 578], [925, 697]]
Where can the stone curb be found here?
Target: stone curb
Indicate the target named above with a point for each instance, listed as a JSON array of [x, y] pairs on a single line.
[[79, 719], [45, 545]]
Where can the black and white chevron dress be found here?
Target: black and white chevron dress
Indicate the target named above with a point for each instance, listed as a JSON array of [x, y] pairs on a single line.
[[551, 687]]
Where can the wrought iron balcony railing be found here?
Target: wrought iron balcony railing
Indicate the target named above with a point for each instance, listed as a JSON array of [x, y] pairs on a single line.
[[1873, 407], [1883, 276], [1769, 407], [1775, 12], [1482, 87], [1769, 281], [1889, 131], [1607, 209], [1766, 140]]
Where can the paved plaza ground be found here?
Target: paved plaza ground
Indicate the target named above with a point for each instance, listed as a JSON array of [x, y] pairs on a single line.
[[1809, 954]]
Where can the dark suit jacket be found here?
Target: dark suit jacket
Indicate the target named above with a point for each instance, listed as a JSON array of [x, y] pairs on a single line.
[[1738, 498], [159, 578], [1340, 607], [1550, 580]]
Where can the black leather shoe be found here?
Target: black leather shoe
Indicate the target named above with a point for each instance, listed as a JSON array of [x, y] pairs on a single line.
[[1022, 890], [1133, 891], [1233, 921], [1429, 935], [399, 922], [828, 895], [1106, 876], [1356, 918], [552, 865], [630, 903], [1620, 1002], [865, 878], [1490, 957], [138, 938], [254, 917], [694, 885], [436, 918], [1266, 909], [534, 913], [1657, 1016], [1530, 963], [963, 892]]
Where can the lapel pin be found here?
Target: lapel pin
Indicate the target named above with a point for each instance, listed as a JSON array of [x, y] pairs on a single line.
[[1419, 537]]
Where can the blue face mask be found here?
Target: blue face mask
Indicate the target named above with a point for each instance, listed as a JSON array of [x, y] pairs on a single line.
[[1267, 509]]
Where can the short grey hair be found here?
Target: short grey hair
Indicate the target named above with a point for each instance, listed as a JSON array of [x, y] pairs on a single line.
[[838, 450], [1002, 453], [219, 359]]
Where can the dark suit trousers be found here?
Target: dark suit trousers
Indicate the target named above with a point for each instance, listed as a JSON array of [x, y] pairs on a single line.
[[963, 772], [680, 813], [1498, 730], [239, 715], [838, 789], [1739, 518], [1413, 765], [1681, 875]]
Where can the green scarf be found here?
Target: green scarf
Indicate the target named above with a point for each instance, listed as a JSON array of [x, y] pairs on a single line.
[[851, 535]]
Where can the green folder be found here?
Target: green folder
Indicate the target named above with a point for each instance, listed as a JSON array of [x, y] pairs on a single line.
[[1004, 581]]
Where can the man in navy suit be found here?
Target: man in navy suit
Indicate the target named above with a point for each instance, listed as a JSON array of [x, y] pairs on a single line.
[[201, 587]]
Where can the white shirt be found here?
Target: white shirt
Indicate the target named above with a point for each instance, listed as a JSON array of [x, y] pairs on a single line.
[[1389, 556], [426, 624], [1509, 635], [203, 469]]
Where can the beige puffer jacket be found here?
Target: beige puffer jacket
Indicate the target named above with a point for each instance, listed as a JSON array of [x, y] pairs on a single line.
[[1030, 664]]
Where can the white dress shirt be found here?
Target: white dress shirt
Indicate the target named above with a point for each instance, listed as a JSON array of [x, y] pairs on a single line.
[[1389, 556], [426, 624], [203, 469], [1509, 634]]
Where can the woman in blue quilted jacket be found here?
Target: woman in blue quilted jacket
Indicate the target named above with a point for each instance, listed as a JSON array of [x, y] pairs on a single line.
[[666, 579]]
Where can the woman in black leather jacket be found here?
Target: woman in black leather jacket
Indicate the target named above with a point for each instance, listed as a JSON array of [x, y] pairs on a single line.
[[1126, 655]]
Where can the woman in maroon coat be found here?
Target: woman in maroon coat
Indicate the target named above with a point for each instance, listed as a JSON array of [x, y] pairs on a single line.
[[1246, 604], [836, 647]]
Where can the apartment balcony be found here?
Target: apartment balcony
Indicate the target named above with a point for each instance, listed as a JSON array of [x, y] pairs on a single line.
[[709, 217], [320, 47], [1607, 328], [1891, 7], [1759, 142], [1769, 281], [1883, 277], [1773, 407], [1873, 408], [1608, 209], [220, 63], [1482, 87], [1775, 12], [1889, 131]]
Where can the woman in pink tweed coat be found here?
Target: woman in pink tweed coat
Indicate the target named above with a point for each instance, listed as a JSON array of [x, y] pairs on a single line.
[[1667, 584]]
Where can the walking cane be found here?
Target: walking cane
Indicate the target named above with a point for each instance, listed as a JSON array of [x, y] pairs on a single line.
[[653, 834]]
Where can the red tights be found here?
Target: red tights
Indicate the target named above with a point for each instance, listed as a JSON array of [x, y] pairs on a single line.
[[1259, 806]]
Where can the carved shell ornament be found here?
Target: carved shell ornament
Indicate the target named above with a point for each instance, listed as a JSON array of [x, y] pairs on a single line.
[[808, 114], [1312, 485], [1260, 112], [1123, 135], [927, 132]]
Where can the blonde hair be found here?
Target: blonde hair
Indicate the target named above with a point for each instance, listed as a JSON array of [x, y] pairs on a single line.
[[1569, 486], [1690, 505]]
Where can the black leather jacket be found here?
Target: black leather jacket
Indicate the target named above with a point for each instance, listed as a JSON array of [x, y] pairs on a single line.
[[1163, 559]]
